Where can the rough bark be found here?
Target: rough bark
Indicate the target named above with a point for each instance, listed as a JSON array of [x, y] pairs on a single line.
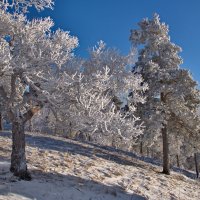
[[165, 140], [18, 157]]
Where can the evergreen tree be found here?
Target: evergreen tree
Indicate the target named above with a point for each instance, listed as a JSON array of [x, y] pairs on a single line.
[[172, 98]]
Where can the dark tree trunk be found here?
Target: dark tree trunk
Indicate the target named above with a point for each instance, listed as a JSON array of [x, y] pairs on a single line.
[[147, 151], [141, 148], [178, 161], [1, 122], [196, 164], [18, 157], [166, 164]]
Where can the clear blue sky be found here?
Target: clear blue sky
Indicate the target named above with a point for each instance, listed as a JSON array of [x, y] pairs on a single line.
[[111, 21]]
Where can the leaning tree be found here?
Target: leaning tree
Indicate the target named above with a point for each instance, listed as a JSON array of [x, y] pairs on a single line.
[[31, 56], [172, 98]]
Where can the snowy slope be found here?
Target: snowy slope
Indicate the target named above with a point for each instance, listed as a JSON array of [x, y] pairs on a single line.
[[64, 169]]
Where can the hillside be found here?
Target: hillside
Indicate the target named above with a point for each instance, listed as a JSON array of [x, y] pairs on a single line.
[[64, 169]]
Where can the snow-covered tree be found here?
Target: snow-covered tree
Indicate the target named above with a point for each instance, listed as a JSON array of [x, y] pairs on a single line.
[[30, 60], [33, 75], [172, 97], [103, 82]]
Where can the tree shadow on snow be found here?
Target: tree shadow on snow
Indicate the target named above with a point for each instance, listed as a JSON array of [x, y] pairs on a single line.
[[49, 186], [90, 149], [77, 147]]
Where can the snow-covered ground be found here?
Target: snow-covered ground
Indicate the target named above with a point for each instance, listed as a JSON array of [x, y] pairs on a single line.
[[64, 169]]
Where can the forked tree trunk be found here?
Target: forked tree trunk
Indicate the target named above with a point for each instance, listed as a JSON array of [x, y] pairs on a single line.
[[18, 157], [166, 166], [1, 122]]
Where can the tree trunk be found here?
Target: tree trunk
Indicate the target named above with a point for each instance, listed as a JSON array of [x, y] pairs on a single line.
[[166, 167], [141, 148], [1, 122], [56, 127], [18, 157], [30, 125], [147, 151], [196, 165], [178, 161]]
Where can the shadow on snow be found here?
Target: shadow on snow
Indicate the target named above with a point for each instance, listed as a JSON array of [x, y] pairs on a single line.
[[58, 186], [105, 152]]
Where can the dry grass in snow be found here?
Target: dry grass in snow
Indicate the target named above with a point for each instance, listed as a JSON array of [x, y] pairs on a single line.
[[64, 169]]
